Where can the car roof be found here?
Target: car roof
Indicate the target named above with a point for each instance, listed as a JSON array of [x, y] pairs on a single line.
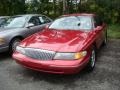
[[79, 14], [4, 16], [26, 15]]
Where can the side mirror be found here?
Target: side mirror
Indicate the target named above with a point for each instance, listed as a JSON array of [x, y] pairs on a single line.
[[30, 25], [98, 28]]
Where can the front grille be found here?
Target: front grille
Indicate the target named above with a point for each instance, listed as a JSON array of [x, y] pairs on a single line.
[[39, 54]]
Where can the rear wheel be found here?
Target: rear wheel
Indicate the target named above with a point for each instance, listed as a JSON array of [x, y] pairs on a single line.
[[13, 44], [92, 60], [105, 39]]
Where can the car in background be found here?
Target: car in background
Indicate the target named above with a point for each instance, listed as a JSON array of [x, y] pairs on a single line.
[[3, 19], [66, 46], [19, 27]]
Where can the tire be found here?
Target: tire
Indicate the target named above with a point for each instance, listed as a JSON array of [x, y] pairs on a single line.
[[13, 44], [92, 60], [105, 39]]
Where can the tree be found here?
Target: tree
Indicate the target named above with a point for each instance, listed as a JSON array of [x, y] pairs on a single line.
[[11, 7]]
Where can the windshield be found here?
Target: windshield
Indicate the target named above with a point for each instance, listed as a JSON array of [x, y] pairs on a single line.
[[14, 22], [72, 23]]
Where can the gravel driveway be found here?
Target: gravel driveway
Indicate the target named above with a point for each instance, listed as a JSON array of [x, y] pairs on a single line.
[[106, 75]]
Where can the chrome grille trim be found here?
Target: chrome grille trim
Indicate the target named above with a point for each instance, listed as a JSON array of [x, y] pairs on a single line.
[[39, 54]]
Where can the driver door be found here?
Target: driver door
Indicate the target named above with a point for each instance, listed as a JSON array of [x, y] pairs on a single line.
[[99, 31], [37, 25]]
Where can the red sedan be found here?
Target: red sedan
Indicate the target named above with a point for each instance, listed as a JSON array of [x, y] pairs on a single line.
[[65, 47]]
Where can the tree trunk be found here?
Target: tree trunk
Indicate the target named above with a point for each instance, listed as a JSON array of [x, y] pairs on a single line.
[[64, 6], [54, 6]]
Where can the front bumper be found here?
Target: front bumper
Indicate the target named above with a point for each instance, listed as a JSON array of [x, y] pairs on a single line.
[[51, 66]]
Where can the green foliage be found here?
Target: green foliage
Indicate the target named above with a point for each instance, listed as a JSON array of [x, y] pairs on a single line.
[[108, 9], [114, 31], [11, 7]]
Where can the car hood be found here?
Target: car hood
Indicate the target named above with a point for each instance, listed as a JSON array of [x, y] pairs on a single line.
[[57, 40], [5, 30]]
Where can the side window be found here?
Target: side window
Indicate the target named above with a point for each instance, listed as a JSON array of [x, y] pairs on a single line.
[[35, 20], [98, 21], [44, 19]]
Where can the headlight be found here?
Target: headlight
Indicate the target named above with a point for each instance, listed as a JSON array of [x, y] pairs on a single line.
[[2, 40], [70, 56], [20, 49]]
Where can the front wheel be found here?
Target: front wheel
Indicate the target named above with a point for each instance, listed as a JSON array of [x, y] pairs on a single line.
[[92, 60], [14, 44]]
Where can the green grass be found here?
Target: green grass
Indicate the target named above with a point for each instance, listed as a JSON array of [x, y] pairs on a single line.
[[114, 31]]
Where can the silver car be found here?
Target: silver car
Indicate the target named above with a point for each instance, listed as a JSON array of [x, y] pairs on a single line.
[[18, 27]]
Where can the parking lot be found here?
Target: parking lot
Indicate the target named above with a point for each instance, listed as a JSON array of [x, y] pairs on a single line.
[[106, 75]]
